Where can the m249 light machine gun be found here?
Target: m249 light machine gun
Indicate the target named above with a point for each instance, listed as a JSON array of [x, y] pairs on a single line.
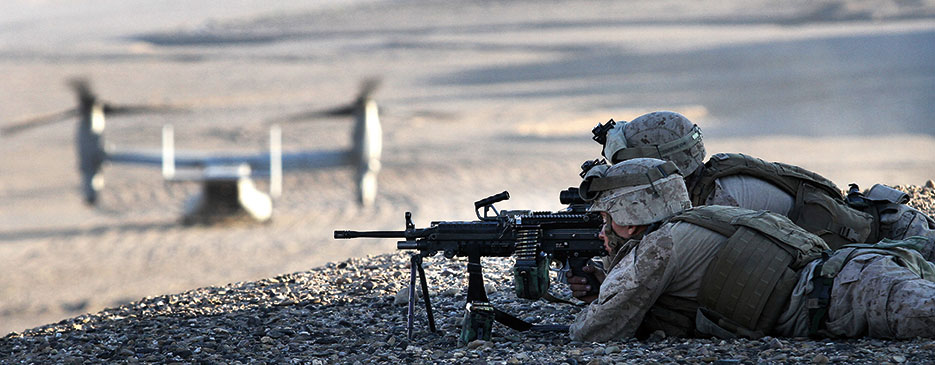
[[534, 239]]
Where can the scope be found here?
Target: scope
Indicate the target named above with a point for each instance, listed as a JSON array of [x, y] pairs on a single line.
[[570, 196]]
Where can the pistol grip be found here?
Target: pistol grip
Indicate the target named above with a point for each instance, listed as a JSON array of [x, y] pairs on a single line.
[[577, 269]]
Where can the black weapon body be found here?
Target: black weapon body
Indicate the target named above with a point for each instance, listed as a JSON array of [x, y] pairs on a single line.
[[560, 234], [570, 238]]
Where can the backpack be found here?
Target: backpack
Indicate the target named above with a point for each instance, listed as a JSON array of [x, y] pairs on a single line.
[[819, 207]]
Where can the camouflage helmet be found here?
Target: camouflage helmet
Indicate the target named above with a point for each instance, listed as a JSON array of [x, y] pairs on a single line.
[[638, 191], [664, 135]]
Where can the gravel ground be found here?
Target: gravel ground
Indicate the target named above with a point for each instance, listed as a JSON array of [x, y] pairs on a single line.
[[354, 311]]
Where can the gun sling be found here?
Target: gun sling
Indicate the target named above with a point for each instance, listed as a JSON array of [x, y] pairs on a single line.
[[477, 294]]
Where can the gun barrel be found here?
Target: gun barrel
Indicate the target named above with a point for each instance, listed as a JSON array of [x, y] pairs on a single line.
[[369, 234]]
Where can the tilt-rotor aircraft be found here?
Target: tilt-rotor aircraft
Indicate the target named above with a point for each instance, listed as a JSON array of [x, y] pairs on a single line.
[[227, 185]]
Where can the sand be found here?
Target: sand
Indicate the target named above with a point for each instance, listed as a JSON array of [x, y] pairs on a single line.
[[478, 98]]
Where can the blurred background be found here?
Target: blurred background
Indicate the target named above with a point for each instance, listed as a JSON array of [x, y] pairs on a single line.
[[477, 97]]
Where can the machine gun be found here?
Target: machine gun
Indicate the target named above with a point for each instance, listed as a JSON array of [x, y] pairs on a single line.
[[535, 239]]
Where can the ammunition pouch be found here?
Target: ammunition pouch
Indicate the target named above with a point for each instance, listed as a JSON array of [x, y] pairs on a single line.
[[478, 322], [531, 278]]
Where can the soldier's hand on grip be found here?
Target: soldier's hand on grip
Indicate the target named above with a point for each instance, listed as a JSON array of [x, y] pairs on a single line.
[[579, 284]]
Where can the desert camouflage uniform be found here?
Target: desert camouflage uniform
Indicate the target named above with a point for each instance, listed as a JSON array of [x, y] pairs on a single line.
[[746, 191], [872, 296], [662, 272], [648, 275]]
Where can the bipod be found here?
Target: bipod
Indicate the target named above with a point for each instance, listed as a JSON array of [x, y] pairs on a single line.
[[415, 264]]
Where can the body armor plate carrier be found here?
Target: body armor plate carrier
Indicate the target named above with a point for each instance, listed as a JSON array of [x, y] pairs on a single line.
[[819, 206], [748, 284]]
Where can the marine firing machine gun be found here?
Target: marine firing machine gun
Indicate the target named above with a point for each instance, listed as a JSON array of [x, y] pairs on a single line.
[[535, 239]]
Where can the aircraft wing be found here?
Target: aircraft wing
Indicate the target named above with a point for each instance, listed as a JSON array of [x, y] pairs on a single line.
[[259, 163]]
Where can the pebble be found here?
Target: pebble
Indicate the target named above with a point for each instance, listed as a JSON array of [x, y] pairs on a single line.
[[476, 343], [820, 359], [774, 343], [402, 297]]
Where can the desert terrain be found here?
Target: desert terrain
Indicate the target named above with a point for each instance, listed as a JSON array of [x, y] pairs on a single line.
[[477, 98]]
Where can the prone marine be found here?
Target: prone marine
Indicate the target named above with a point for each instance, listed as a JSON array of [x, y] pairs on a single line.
[[728, 271], [808, 199]]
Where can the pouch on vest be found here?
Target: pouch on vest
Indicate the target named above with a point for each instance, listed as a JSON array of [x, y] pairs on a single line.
[[748, 284], [829, 218], [883, 193]]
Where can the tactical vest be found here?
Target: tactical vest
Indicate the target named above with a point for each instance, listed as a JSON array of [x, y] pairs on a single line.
[[819, 206], [748, 284]]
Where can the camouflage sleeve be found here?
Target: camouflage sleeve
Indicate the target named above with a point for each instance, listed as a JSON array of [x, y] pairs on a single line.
[[630, 289]]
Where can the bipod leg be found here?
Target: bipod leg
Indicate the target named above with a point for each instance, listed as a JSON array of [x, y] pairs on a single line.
[[415, 261], [425, 294], [479, 317]]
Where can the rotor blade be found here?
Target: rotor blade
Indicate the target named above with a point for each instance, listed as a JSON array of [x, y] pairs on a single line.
[[114, 110], [82, 87], [368, 87], [340, 111], [37, 121]]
